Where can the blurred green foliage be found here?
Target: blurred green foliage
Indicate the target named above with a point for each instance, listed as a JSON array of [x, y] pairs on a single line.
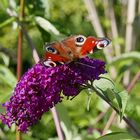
[[68, 18]]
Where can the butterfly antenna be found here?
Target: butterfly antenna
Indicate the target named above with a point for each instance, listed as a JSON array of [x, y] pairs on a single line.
[[85, 65]]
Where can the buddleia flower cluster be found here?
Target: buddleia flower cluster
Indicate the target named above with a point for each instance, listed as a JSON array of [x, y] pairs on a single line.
[[41, 88]]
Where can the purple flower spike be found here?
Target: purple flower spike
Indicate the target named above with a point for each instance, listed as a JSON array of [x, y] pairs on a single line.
[[40, 89]]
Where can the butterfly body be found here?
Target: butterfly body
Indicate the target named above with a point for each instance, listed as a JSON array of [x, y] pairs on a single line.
[[73, 47]]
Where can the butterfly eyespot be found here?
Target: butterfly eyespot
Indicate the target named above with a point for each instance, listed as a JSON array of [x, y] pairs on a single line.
[[80, 40], [102, 44], [49, 63], [51, 49]]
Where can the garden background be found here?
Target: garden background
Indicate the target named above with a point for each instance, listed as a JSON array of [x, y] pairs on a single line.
[[26, 24]]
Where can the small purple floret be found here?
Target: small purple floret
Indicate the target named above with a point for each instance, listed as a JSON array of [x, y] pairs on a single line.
[[40, 89]]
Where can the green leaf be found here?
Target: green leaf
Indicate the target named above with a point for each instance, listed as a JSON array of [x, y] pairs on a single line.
[[111, 94], [46, 25], [7, 76], [104, 82], [89, 96], [126, 56], [124, 98], [113, 98], [116, 97], [7, 83], [88, 102], [7, 22], [117, 136], [5, 58]]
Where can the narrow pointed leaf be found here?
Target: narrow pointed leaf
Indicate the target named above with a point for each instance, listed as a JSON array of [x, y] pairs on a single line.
[[46, 25]]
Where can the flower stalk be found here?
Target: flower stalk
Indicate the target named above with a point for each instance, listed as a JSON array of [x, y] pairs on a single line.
[[19, 55]]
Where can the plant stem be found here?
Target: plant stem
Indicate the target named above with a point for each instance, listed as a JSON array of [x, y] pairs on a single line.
[[18, 134], [109, 13], [129, 88], [129, 35], [19, 54], [31, 45], [53, 110], [133, 82], [117, 111], [57, 123]]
